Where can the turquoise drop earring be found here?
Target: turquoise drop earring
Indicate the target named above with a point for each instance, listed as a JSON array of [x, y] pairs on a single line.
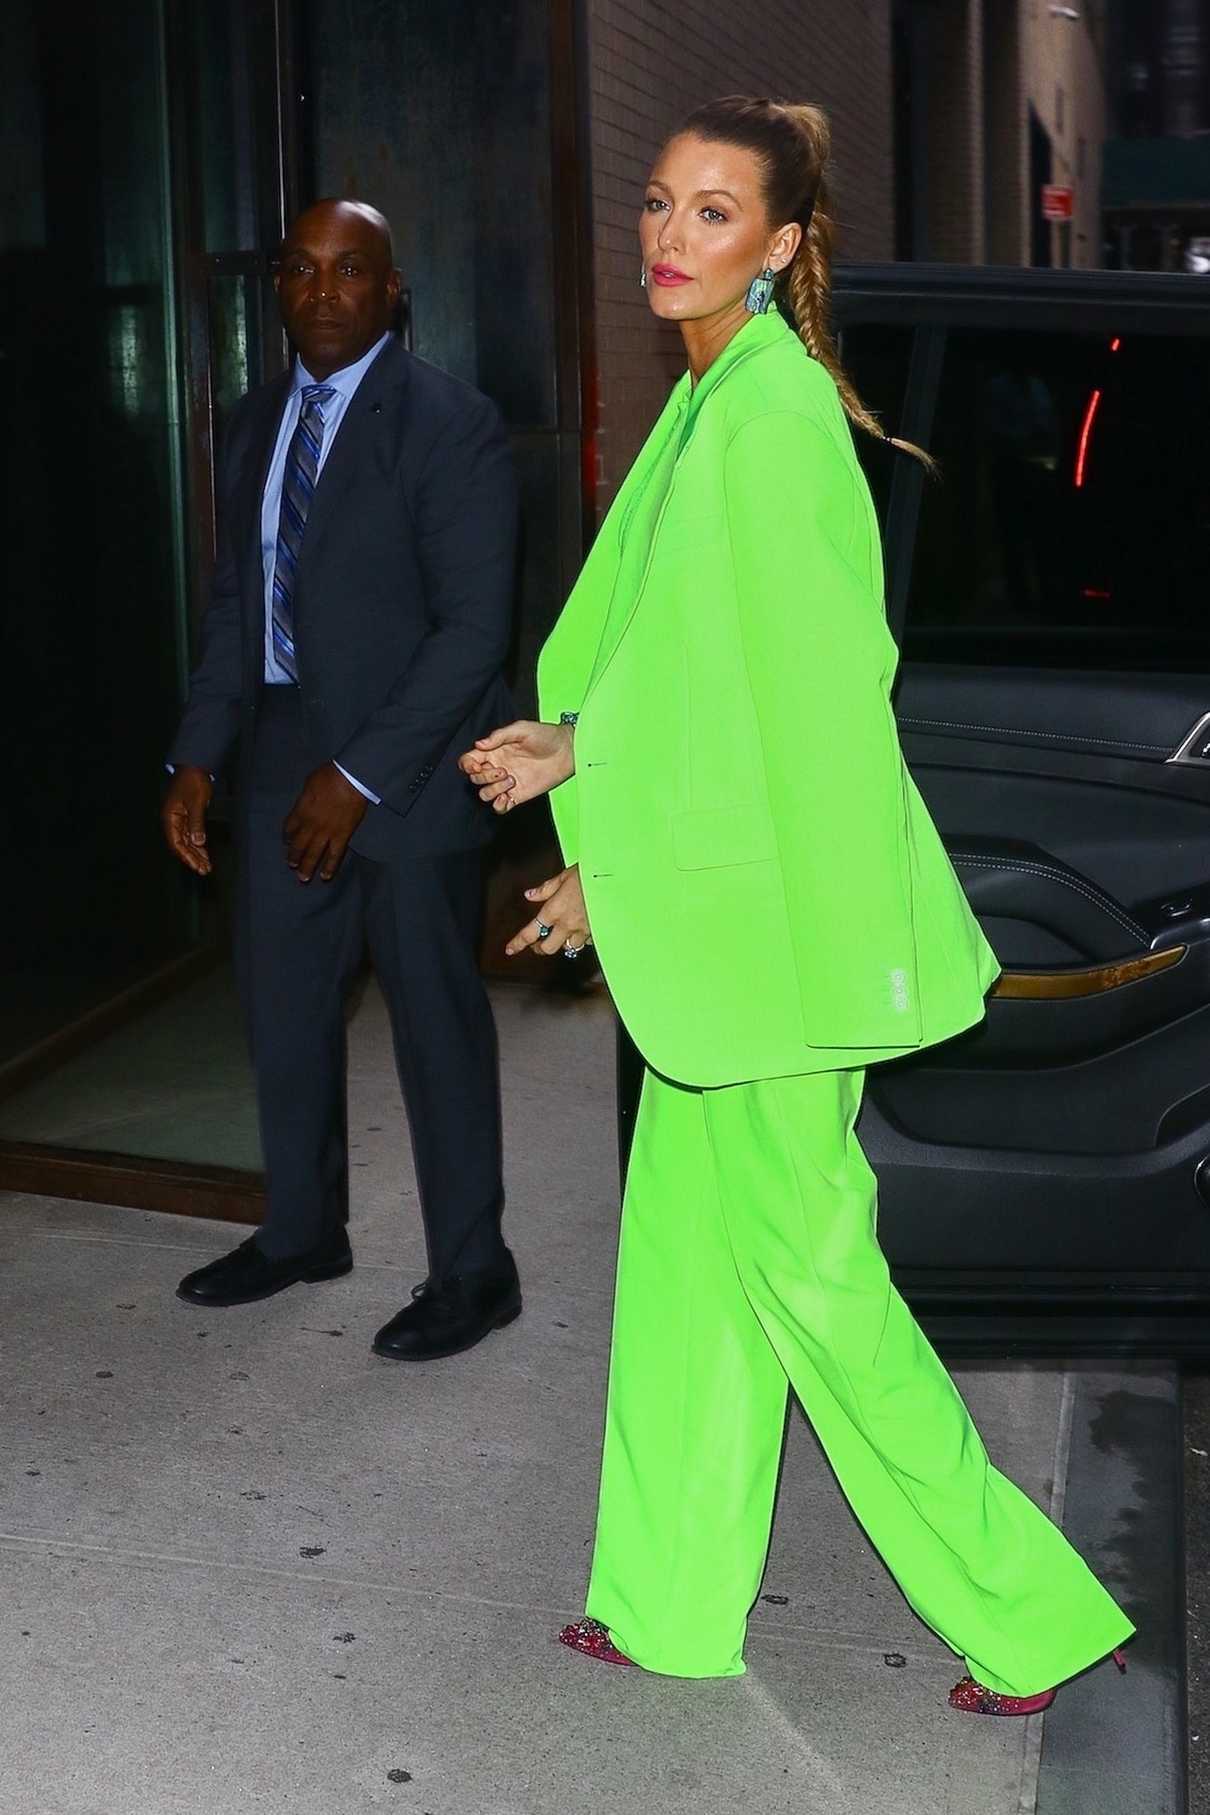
[[760, 292]]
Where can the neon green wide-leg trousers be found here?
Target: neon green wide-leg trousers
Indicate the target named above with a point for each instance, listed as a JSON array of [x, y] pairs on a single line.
[[749, 1258]]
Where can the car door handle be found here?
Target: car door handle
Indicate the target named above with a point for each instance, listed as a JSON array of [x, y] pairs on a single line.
[[1196, 746]]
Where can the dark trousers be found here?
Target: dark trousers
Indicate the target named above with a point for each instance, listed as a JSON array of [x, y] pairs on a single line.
[[298, 946]]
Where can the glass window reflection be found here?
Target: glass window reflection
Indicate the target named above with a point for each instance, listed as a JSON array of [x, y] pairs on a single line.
[[1072, 521]]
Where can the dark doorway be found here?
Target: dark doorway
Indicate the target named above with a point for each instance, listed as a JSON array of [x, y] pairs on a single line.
[[1041, 164]]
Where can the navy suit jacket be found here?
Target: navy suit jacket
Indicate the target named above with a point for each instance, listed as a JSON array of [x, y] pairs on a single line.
[[402, 603]]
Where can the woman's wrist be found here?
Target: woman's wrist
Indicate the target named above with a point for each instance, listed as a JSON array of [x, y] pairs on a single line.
[[568, 722]]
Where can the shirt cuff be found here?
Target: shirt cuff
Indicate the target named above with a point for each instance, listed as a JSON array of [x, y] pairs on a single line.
[[374, 799]]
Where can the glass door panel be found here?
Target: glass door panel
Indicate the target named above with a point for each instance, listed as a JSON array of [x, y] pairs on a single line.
[[151, 154]]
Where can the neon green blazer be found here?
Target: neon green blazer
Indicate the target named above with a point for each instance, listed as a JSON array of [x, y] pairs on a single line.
[[767, 892]]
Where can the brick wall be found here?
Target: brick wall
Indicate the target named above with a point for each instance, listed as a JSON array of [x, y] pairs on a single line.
[[1006, 135], [1060, 57], [954, 133], [649, 65]]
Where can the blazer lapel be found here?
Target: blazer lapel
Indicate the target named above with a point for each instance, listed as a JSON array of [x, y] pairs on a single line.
[[637, 511], [378, 390], [246, 531], [662, 455]]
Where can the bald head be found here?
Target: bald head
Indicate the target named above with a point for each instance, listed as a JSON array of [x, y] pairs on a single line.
[[335, 208], [337, 285]]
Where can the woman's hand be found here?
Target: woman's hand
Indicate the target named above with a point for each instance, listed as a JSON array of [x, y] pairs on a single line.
[[561, 911], [518, 762]]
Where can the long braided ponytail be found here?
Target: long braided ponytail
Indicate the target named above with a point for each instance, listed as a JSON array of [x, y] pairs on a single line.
[[793, 143]]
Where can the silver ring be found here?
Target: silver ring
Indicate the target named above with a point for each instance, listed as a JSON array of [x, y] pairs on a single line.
[[572, 951], [544, 931]]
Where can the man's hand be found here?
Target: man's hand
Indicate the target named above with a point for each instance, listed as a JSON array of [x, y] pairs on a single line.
[[183, 817], [519, 761], [324, 818]]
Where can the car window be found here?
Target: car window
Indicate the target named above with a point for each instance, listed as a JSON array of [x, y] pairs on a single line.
[[1070, 526], [877, 358]]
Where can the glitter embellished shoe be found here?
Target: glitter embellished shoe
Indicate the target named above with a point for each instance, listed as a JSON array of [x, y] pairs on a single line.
[[970, 1697], [590, 1637]]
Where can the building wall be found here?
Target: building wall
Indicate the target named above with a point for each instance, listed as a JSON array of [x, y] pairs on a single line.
[[978, 67], [1006, 139], [439, 115], [952, 132], [1065, 80], [650, 66]]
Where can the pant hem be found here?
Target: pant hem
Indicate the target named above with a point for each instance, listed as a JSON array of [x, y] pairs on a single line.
[[1054, 1676]]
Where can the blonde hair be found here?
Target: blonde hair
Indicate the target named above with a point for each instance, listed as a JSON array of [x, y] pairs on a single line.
[[793, 143]]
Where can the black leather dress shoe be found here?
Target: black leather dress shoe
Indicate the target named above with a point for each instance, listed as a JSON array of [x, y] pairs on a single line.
[[444, 1320], [247, 1274]]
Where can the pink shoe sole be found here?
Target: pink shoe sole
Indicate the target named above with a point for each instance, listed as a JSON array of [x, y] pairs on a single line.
[[970, 1697], [591, 1638]]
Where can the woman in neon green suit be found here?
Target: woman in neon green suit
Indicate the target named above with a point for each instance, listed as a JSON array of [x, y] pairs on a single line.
[[774, 912]]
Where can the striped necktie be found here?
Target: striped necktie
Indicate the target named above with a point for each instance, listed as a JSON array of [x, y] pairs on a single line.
[[298, 488]]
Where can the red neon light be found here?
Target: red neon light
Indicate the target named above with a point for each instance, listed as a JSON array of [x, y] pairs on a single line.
[[1094, 404], [1115, 343]]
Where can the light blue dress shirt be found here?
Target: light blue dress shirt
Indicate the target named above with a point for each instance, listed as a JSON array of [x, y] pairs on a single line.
[[344, 383]]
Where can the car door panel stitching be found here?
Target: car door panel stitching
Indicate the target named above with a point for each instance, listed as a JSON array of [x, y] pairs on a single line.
[[1040, 869], [1074, 737]]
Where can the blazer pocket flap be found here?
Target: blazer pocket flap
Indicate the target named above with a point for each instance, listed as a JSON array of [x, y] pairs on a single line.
[[718, 837]]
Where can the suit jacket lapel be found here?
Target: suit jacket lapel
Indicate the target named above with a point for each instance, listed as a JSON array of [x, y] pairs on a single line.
[[655, 475], [572, 655], [381, 384], [643, 500], [246, 531]]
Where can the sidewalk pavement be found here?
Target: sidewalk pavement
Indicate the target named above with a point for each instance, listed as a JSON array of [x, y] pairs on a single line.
[[248, 1565]]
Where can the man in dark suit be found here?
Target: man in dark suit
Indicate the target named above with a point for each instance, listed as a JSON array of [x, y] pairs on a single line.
[[353, 647]]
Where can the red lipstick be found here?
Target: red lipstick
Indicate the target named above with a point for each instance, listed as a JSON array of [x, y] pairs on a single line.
[[669, 276]]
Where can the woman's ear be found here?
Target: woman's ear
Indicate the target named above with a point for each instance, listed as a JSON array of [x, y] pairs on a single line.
[[783, 246]]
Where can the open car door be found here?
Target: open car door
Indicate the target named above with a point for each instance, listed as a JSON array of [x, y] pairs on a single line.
[[1046, 1178]]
